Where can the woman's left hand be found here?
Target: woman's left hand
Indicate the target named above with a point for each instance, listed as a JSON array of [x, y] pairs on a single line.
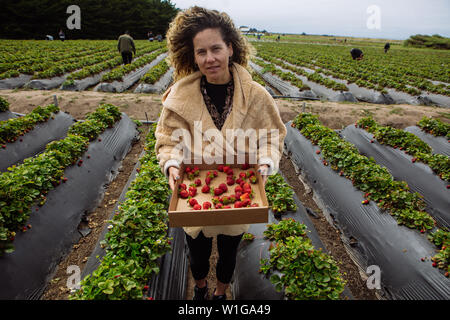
[[263, 170]]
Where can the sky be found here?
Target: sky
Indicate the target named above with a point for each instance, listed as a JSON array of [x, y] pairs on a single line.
[[387, 19]]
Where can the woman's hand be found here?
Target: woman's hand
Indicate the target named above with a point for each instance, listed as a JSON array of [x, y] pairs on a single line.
[[173, 177], [263, 170]]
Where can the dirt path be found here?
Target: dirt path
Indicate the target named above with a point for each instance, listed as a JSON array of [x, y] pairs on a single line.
[[148, 106]]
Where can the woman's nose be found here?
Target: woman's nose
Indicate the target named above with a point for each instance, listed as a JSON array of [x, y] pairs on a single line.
[[209, 56]]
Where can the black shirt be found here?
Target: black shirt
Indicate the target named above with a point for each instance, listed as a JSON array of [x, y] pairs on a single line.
[[218, 94]]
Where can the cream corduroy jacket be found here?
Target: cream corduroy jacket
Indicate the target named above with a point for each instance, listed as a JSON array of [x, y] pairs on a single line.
[[185, 109]]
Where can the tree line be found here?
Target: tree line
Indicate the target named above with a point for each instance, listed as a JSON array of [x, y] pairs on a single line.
[[99, 19]]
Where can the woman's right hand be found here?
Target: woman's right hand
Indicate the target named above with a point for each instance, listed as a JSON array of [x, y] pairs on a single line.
[[173, 177]]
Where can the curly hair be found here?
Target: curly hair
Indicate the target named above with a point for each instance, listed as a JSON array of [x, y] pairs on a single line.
[[185, 27]]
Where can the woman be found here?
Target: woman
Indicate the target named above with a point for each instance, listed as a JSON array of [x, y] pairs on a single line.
[[213, 88]]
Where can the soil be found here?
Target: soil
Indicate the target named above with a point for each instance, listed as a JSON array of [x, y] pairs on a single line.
[[147, 107]]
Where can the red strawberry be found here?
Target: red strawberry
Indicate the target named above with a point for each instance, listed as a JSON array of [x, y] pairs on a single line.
[[218, 191], [215, 173], [247, 187], [371, 141], [230, 172], [220, 167], [197, 207], [254, 205], [216, 200], [4, 146], [448, 186], [193, 193], [192, 202], [226, 168], [238, 181], [187, 170], [245, 166], [414, 160], [238, 189], [242, 175], [238, 195], [218, 206], [184, 194], [207, 205], [205, 188], [422, 259], [250, 173], [225, 200], [198, 182], [246, 202], [434, 264], [238, 204], [365, 201], [446, 274], [244, 197], [253, 179], [318, 152], [208, 180], [182, 186], [224, 187], [230, 181], [227, 207], [232, 198]]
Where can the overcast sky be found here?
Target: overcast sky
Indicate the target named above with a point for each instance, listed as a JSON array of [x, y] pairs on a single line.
[[391, 19]]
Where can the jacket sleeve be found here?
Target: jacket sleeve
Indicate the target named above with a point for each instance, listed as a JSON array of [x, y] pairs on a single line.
[[272, 130], [168, 139]]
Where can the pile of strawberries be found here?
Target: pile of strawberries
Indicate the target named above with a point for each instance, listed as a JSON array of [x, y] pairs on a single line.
[[242, 196]]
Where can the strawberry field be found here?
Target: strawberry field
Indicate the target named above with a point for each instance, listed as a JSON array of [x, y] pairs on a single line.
[[382, 192]]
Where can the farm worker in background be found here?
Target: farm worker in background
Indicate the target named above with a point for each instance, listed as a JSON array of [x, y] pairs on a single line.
[[61, 34], [126, 46], [357, 54], [48, 37], [159, 37], [387, 46], [213, 87], [150, 36]]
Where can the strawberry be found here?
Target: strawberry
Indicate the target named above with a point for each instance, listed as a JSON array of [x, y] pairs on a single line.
[[250, 173], [197, 207], [246, 202], [216, 200], [145, 288], [225, 200], [4, 146], [184, 194], [218, 191], [253, 205], [192, 202], [198, 182], [448, 186], [238, 189], [208, 180], [247, 188], [238, 181], [446, 274], [232, 198], [230, 181], [206, 205], [187, 170], [230, 172], [238, 204], [205, 188], [182, 186], [414, 160], [227, 207], [244, 197], [253, 179], [215, 173], [318, 152], [220, 168], [365, 201], [226, 168], [99, 140], [242, 175], [238, 195], [218, 206], [224, 187], [372, 141], [422, 259], [434, 264], [193, 193], [245, 166]]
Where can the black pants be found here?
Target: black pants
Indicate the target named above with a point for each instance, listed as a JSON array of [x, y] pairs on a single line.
[[127, 57], [200, 251]]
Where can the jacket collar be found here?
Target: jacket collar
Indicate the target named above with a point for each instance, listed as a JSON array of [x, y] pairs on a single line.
[[185, 99]]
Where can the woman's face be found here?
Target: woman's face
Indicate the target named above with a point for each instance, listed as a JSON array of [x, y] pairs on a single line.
[[212, 55]]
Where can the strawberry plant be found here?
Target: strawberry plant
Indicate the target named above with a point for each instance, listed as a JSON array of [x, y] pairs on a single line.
[[411, 144], [25, 185], [279, 194], [4, 104], [11, 129], [304, 273], [136, 239], [366, 175], [435, 127], [441, 238]]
